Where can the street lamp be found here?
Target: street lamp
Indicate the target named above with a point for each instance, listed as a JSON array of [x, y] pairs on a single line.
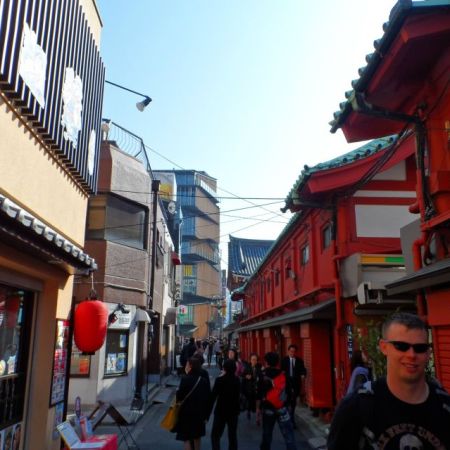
[[139, 105]]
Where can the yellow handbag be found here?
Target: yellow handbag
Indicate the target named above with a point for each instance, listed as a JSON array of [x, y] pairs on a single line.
[[171, 418]]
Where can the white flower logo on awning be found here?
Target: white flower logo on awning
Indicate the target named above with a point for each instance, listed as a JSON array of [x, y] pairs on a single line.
[[72, 96], [33, 65]]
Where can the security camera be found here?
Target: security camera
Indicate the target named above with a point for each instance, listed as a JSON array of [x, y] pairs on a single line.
[[123, 308]]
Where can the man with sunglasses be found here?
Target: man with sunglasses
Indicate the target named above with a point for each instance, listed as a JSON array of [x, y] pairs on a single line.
[[403, 410]]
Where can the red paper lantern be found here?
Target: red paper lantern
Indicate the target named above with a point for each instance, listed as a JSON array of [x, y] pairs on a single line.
[[91, 323]]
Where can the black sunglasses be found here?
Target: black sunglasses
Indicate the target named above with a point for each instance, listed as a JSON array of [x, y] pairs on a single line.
[[405, 346]]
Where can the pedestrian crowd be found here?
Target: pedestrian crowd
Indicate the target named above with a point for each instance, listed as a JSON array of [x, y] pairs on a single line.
[[266, 393], [406, 409]]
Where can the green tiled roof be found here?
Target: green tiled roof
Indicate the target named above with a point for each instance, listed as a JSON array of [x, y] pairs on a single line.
[[401, 10], [365, 151]]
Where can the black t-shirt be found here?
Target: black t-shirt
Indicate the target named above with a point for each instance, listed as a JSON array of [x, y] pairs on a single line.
[[388, 423]]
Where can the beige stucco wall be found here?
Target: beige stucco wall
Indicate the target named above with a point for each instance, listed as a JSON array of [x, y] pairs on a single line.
[[32, 178], [93, 17]]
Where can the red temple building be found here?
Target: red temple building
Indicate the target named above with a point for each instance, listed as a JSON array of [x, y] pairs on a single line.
[[327, 271], [405, 89]]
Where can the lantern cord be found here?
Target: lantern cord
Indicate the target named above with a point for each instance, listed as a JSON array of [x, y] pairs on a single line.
[[92, 293]]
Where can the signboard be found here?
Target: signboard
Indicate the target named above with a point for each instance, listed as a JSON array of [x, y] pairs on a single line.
[[51, 70], [59, 375]]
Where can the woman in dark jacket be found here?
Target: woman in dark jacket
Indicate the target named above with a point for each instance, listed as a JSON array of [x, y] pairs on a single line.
[[251, 383], [194, 393], [225, 394]]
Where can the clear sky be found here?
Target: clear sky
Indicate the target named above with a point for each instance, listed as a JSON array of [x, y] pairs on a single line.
[[241, 89]]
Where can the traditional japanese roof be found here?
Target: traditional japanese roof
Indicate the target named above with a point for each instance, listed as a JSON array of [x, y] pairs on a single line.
[[403, 10], [366, 151], [25, 229], [244, 255]]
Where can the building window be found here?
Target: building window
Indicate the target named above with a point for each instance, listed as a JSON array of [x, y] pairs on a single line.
[[305, 255], [116, 353], [277, 277], [16, 306], [117, 220], [326, 237], [268, 284]]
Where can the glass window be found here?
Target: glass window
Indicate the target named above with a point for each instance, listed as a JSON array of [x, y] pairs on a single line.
[[16, 308], [117, 220], [305, 254], [116, 353], [326, 237]]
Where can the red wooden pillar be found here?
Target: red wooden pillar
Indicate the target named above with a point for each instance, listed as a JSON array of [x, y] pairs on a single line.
[[439, 320], [317, 356]]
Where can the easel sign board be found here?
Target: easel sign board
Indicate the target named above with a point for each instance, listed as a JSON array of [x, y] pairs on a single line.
[[71, 439], [106, 409]]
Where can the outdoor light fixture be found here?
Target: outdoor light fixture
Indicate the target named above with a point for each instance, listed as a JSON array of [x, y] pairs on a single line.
[[113, 316], [140, 105]]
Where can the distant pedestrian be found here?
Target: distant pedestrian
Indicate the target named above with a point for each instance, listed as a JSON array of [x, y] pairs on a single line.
[[234, 355], [187, 351], [251, 383], [210, 351], [295, 371], [225, 394], [218, 350], [194, 391], [360, 371], [272, 405], [402, 411]]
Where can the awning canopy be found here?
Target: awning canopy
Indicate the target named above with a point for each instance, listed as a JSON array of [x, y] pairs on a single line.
[[323, 310], [187, 329], [429, 276]]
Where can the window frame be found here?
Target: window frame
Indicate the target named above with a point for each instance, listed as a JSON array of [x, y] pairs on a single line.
[[124, 372], [305, 254], [326, 240]]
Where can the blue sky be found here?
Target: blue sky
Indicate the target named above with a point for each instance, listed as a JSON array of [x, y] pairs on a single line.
[[242, 89]]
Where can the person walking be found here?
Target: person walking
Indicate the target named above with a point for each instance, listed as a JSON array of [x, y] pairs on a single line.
[[272, 404], [194, 393], [203, 372], [403, 410], [233, 354], [225, 394], [360, 371], [295, 371], [210, 351], [218, 350], [251, 383], [187, 351]]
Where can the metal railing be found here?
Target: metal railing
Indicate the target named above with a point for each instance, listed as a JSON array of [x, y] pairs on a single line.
[[128, 142]]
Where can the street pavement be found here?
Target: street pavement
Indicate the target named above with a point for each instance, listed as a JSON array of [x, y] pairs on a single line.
[[150, 436]]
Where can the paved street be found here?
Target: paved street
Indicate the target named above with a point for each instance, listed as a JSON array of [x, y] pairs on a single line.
[[150, 436]]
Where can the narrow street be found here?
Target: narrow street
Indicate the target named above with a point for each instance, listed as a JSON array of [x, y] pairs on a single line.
[[150, 436]]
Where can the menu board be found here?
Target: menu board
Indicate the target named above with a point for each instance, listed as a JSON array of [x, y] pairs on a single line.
[[59, 377]]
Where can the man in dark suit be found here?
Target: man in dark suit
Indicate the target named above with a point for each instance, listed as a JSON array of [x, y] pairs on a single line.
[[295, 371]]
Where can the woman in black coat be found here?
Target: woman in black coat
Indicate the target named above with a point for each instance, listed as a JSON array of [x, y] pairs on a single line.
[[225, 394], [194, 393], [251, 383]]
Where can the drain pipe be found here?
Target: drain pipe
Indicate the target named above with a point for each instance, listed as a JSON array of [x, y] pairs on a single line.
[[417, 260], [339, 364]]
